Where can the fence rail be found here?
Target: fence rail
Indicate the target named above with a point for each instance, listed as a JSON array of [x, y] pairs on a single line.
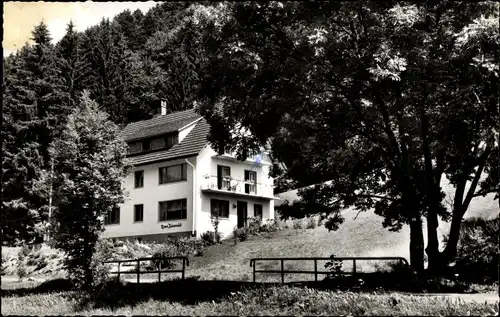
[[282, 271], [137, 269]]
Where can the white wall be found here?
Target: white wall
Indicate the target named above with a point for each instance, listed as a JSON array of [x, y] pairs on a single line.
[[185, 130], [150, 195], [207, 164]]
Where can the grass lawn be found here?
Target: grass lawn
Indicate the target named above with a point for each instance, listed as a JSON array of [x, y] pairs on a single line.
[[233, 298]]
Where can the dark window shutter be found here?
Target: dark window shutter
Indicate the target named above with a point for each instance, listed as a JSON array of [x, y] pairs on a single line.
[[247, 175], [219, 176]]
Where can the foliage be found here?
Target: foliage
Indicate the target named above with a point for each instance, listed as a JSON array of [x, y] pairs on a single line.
[[90, 165], [334, 267], [159, 257], [21, 265], [312, 222], [477, 258], [254, 225], [240, 234], [210, 237], [369, 104], [215, 223]]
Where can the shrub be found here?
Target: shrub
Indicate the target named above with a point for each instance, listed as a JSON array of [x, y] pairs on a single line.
[[311, 223], [208, 237], [165, 251], [298, 224], [20, 264], [240, 234], [254, 225], [270, 225], [477, 252]]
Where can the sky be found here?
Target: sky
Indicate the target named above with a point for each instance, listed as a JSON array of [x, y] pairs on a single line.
[[21, 17]]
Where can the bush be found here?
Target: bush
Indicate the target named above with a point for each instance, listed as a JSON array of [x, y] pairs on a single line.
[[240, 234], [477, 252], [270, 225], [20, 264], [311, 223], [211, 238], [254, 226], [298, 224], [165, 251]]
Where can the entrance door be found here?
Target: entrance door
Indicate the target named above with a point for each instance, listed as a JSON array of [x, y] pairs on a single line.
[[242, 214]]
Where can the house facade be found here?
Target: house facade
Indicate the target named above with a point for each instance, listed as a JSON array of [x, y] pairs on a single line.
[[178, 182]]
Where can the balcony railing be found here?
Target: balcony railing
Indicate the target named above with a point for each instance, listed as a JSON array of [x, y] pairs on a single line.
[[236, 186]]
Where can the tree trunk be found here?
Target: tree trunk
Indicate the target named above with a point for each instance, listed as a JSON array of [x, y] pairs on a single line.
[[435, 263], [450, 251], [416, 245]]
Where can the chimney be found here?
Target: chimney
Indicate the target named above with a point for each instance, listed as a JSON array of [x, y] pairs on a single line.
[[163, 107]]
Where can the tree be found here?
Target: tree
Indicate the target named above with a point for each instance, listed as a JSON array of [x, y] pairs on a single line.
[[35, 106], [369, 101], [90, 166]]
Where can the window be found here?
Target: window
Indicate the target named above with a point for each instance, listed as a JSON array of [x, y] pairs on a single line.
[[223, 177], [157, 143], [172, 210], [250, 182], [257, 211], [173, 173], [112, 217], [138, 213], [171, 140], [220, 206], [146, 145], [135, 147], [139, 179]]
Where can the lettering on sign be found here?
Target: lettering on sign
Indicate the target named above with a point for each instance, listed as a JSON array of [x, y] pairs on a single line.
[[171, 225]]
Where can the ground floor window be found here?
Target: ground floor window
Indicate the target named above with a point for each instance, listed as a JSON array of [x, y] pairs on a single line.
[[220, 207], [172, 210], [257, 211], [112, 217]]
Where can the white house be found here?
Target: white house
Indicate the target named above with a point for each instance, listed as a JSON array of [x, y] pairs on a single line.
[[178, 182]]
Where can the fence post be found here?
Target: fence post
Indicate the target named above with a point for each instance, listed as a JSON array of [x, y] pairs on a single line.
[[183, 266], [354, 266], [138, 270], [282, 272], [253, 270], [119, 263], [159, 271], [315, 270]]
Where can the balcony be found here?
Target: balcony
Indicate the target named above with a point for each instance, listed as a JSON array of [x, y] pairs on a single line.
[[235, 187]]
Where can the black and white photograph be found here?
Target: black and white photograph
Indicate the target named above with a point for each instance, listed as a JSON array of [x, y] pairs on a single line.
[[215, 158]]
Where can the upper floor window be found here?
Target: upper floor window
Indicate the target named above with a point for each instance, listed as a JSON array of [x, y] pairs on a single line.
[[157, 143], [171, 140], [112, 217], [250, 182], [172, 210], [223, 177], [139, 179], [173, 173], [135, 147], [138, 213]]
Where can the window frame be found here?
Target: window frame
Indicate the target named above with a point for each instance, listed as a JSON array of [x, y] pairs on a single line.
[[135, 213], [217, 201], [135, 179], [183, 200], [249, 182], [108, 214], [183, 172], [261, 211]]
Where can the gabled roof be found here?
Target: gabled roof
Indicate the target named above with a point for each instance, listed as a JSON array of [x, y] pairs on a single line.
[[191, 145], [159, 125]]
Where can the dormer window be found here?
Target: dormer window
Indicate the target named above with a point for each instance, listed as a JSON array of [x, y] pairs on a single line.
[[163, 142], [157, 143], [135, 147]]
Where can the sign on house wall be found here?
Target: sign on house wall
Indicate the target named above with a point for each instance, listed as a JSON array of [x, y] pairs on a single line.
[[171, 225]]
